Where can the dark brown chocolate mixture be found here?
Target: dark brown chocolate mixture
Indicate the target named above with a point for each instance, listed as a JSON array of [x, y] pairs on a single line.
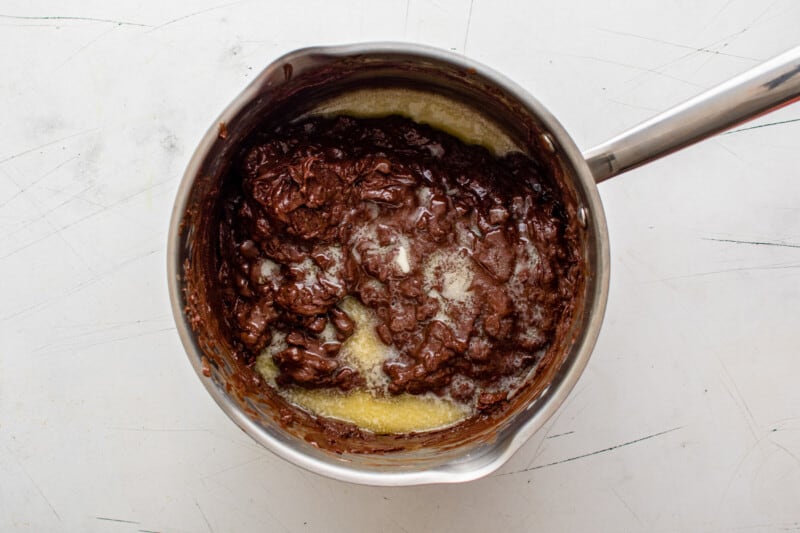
[[467, 260]]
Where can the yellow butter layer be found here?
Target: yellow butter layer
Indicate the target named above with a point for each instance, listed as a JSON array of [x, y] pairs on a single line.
[[266, 367], [363, 349], [369, 408], [391, 414], [445, 114]]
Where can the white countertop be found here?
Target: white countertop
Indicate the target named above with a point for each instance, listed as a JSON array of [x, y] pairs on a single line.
[[686, 419]]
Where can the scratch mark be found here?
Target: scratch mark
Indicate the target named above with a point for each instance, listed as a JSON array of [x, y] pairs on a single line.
[[405, 20], [634, 67], [701, 49], [787, 420], [116, 323], [106, 341], [208, 524], [718, 13], [80, 19], [83, 48], [734, 154], [60, 235], [604, 450], [270, 494], [37, 180], [40, 217], [735, 36], [757, 243], [7, 25], [739, 466], [160, 430], [96, 329], [559, 435], [45, 145], [783, 13], [724, 41], [730, 270], [194, 14], [793, 456], [761, 16], [147, 531], [634, 106], [120, 520], [404, 530], [234, 467], [102, 209], [38, 489], [81, 286], [640, 77], [628, 507], [469, 23], [710, 58], [763, 126], [567, 405], [540, 448], [55, 231], [740, 403]]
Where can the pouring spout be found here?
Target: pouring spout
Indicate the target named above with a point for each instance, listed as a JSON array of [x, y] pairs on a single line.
[[760, 90]]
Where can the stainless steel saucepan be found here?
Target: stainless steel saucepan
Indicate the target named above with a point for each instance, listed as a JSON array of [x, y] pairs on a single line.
[[295, 84]]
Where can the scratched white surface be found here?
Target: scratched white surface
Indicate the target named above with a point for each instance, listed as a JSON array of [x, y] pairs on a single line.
[[686, 419]]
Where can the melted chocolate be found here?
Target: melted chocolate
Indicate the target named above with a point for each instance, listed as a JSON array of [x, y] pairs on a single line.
[[468, 261]]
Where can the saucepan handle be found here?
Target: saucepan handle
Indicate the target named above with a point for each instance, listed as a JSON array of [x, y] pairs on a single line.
[[758, 91]]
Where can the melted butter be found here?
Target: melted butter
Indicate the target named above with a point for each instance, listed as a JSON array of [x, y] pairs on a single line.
[[266, 367], [364, 349], [402, 260], [440, 112], [268, 269], [369, 409], [455, 270], [391, 414]]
